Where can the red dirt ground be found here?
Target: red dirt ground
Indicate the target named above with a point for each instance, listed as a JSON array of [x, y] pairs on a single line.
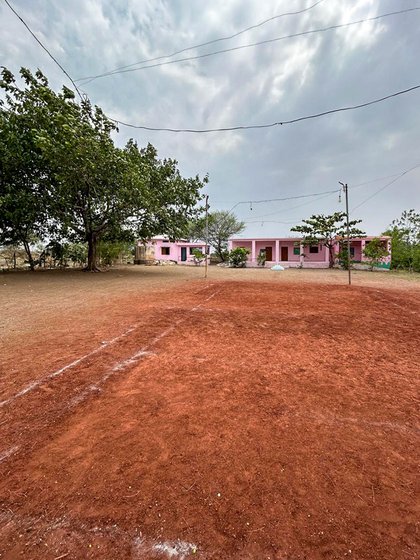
[[235, 420]]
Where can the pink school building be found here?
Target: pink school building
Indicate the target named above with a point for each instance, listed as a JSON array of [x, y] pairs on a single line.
[[290, 252], [161, 249]]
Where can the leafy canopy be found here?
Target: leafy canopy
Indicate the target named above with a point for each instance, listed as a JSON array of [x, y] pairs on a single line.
[[63, 175], [375, 251], [324, 230], [221, 226]]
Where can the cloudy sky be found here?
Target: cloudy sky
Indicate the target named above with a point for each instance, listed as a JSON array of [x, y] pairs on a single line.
[[272, 82]]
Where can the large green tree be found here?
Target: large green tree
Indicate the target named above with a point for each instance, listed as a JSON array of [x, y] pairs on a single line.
[[221, 225], [324, 230], [96, 190], [23, 177]]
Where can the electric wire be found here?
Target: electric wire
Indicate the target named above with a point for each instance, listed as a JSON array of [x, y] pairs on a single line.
[[386, 186], [88, 79], [284, 210], [270, 125], [374, 180], [261, 201], [228, 37], [45, 48], [225, 129]]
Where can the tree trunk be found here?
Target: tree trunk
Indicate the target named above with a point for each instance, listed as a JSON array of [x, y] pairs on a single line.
[[331, 255], [28, 252], [92, 243]]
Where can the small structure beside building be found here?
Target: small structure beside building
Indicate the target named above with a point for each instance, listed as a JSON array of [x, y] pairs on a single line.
[[291, 253], [161, 249]]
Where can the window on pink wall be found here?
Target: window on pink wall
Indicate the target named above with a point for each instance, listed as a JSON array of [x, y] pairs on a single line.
[[165, 250], [313, 249]]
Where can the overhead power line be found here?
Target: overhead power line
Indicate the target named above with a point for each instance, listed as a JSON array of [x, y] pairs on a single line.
[[87, 79], [246, 127], [262, 201], [226, 38], [270, 125], [373, 181], [45, 48], [288, 210], [386, 186]]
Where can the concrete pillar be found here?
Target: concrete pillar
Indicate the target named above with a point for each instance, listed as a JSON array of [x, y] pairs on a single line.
[[301, 257], [253, 256], [277, 256]]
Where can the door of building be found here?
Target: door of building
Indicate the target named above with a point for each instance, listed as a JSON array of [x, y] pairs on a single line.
[[285, 253], [269, 253], [183, 253]]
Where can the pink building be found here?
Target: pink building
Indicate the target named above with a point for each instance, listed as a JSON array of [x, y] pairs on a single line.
[[289, 251], [161, 249]]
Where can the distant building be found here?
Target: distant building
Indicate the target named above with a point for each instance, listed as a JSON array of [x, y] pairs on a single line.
[[291, 253], [162, 249]]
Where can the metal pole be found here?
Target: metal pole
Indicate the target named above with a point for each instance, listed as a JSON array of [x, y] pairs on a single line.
[[346, 190], [207, 235]]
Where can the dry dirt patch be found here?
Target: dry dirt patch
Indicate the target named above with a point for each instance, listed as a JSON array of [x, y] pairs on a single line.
[[237, 419]]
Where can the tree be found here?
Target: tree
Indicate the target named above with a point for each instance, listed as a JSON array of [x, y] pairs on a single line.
[[238, 257], [94, 189], [405, 241], [221, 226], [375, 251], [23, 177], [198, 256], [324, 230]]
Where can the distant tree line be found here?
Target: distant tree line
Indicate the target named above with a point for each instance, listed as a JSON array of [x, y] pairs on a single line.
[[63, 180]]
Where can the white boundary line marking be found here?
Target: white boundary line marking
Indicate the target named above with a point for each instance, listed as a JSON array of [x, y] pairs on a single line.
[[135, 358], [34, 384], [8, 453]]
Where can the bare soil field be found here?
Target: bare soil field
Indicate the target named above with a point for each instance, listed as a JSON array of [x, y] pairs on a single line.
[[148, 413]]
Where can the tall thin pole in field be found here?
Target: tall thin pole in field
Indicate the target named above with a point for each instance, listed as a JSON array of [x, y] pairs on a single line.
[[346, 192], [207, 235]]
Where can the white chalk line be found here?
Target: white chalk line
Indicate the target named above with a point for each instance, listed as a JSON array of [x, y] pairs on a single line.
[[134, 359], [6, 454], [396, 426], [168, 549], [35, 384], [134, 537]]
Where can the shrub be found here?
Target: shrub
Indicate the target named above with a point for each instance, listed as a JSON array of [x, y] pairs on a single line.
[[238, 257]]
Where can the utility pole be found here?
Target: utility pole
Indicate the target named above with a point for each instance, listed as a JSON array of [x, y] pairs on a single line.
[[207, 235], [346, 192]]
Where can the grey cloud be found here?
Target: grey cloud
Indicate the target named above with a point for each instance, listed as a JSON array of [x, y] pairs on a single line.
[[264, 84]]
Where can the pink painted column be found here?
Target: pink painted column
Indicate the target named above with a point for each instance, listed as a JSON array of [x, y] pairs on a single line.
[[253, 251], [277, 258], [362, 248]]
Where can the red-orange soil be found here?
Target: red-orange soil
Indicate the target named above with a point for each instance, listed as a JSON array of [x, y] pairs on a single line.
[[231, 420]]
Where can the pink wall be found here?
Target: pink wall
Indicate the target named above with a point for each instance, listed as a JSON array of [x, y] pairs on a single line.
[[310, 260], [360, 244], [256, 245], [321, 256], [155, 247]]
